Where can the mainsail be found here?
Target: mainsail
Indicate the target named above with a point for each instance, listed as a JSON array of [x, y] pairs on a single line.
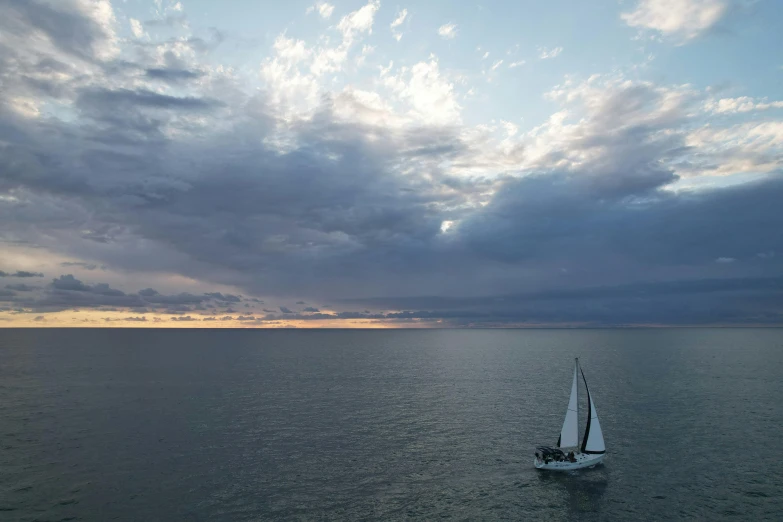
[[593, 441], [569, 435]]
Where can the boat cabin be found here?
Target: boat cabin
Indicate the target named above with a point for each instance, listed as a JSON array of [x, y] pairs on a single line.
[[548, 454]]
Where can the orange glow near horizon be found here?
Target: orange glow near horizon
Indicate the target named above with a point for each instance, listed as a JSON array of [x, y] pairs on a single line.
[[119, 319]]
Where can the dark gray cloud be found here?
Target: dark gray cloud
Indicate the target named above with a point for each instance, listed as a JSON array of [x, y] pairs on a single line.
[[176, 299], [227, 298], [21, 287], [65, 25], [100, 102], [80, 264], [68, 292], [732, 300], [177, 309], [173, 75], [20, 273], [286, 310], [185, 318], [68, 282], [310, 309]]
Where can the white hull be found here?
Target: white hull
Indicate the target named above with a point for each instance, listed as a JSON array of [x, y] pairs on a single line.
[[583, 460]]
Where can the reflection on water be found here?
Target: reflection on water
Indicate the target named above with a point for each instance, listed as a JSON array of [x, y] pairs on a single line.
[[582, 490]]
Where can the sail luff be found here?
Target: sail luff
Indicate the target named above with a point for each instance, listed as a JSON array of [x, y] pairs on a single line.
[[593, 441], [569, 434]]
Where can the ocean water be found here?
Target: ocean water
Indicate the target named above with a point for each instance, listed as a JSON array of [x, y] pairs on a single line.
[[395, 425]]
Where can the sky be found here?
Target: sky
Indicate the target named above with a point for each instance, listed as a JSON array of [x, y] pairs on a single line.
[[374, 164]]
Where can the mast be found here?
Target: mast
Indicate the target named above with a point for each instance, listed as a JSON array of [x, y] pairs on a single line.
[[593, 442], [569, 434]]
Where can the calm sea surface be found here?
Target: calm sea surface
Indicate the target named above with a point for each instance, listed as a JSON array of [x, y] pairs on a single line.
[[354, 425]]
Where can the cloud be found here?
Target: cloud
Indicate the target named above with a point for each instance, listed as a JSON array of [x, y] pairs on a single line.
[[359, 21], [293, 74], [430, 94], [324, 9], [741, 104], [172, 15], [183, 298], [68, 282], [682, 20], [39, 318], [80, 264], [100, 100], [447, 31], [21, 273], [137, 28], [310, 309], [398, 21], [67, 292], [176, 172], [545, 54], [21, 287], [173, 75], [83, 30], [518, 63], [185, 318], [136, 319], [227, 298], [285, 310]]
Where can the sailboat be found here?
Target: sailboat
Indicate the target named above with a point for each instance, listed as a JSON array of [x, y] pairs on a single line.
[[569, 454]]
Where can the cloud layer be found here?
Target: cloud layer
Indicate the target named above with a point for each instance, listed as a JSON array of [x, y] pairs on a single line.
[[141, 156]]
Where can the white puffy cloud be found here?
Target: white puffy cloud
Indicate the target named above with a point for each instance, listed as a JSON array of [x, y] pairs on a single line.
[[681, 19], [136, 28], [398, 21], [748, 147], [447, 31], [430, 95], [324, 9], [359, 21], [740, 105]]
